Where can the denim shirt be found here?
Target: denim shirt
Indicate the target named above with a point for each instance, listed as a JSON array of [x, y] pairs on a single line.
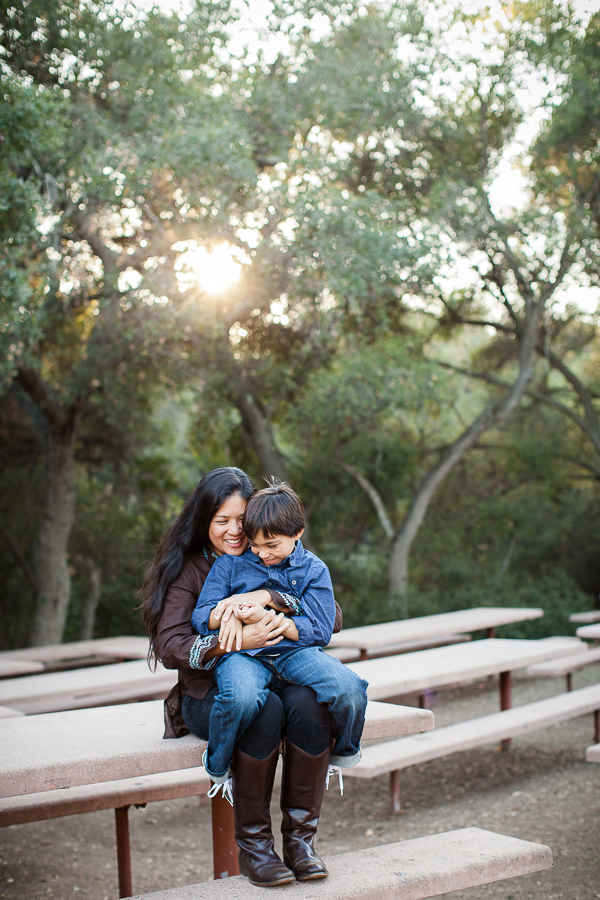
[[302, 577]]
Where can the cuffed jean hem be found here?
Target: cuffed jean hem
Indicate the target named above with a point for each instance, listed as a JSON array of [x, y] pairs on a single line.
[[216, 779], [346, 762]]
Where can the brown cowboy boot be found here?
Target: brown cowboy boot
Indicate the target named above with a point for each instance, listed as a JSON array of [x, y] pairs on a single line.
[[302, 790], [252, 791]]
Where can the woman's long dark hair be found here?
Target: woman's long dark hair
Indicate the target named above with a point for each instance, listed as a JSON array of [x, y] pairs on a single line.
[[188, 534]]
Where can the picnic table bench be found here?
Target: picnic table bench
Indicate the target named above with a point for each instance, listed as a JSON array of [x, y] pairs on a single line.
[[591, 632], [587, 618], [77, 689], [566, 665], [353, 654], [11, 667], [407, 870], [368, 638], [98, 649], [100, 754], [393, 756]]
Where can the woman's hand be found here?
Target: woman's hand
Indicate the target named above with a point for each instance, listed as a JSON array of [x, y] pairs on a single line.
[[225, 608], [266, 633]]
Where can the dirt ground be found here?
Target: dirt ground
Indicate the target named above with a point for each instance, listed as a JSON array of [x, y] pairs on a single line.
[[540, 790]]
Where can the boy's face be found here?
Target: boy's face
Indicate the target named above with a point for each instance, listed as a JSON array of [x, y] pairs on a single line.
[[273, 550]]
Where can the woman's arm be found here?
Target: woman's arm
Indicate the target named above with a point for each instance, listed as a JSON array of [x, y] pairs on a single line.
[[177, 644]]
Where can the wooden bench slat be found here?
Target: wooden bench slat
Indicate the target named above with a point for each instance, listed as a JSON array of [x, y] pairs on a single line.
[[408, 870], [402, 752]]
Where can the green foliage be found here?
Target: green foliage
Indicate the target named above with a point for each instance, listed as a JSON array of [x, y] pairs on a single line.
[[353, 171]]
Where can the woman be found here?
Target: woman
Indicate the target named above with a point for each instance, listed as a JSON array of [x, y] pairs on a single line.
[[208, 526]]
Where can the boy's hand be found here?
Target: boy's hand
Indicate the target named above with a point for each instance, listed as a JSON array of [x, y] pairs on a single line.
[[250, 614], [225, 608], [230, 634]]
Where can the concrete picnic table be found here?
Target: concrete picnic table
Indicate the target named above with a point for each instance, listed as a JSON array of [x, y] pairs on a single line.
[[89, 746], [81, 688], [368, 638], [120, 648], [394, 676]]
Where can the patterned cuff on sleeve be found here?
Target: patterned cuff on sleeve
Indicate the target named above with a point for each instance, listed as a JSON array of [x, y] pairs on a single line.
[[292, 602], [200, 644]]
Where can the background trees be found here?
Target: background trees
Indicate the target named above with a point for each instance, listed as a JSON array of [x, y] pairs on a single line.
[[390, 316]]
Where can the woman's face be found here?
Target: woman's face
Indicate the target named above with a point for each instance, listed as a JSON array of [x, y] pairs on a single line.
[[225, 533]]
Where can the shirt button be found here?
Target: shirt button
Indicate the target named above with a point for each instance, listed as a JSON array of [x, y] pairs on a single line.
[[293, 582]]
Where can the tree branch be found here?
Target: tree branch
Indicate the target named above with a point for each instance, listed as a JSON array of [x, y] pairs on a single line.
[[375, 498]]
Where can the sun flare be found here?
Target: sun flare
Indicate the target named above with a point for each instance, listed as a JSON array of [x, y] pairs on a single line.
[[214, 271]]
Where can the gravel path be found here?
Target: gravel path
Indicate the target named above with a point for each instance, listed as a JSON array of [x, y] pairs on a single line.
[[540, 790]]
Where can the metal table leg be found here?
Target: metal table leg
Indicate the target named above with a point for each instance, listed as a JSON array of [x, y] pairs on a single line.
[[505, 700], [123, 851], [225, 859]]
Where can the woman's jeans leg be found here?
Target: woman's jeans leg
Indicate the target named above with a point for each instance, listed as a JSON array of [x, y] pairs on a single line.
[[243, 688], [307, 722], [338, 688]]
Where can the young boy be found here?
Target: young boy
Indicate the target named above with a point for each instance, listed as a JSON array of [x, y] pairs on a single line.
[[273, 523]]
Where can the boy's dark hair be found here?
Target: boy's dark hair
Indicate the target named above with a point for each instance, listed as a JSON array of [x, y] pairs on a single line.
[[276, 509]]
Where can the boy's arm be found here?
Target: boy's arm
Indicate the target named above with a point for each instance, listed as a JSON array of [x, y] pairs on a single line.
[[316, 622], [215, 588]]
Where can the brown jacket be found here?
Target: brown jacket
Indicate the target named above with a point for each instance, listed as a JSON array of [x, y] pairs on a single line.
[[178, 646]]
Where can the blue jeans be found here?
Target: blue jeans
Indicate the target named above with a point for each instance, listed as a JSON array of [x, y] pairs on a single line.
[[243, 687], [291, 711]]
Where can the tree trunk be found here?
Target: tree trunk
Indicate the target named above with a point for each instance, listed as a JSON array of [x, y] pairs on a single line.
[[50, 564], [90, 601], [491, 416], [259, 434]]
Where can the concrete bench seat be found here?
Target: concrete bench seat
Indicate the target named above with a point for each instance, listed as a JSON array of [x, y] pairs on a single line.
[[589, 632], [392, 756], [566, 665], [592, 754], [106, 795], [407, 870], [586, 618]]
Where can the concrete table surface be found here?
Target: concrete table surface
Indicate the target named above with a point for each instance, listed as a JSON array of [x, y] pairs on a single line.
[[369, 637], [396, 675], [87, 746], [78, 688]]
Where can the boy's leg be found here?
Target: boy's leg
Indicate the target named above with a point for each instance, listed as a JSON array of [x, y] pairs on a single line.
[[339, 689], [242, 692]]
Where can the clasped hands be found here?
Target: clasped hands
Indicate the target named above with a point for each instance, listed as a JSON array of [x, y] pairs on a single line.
[[245, 624]]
